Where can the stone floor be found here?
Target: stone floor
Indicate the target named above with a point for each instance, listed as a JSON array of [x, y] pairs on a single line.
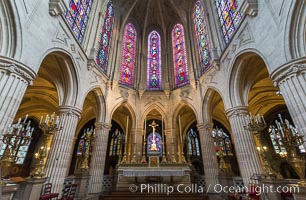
[[139, 196]]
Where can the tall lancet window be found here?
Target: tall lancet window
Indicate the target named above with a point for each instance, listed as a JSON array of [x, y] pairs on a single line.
[[77, 17], [105, 38], [201, 32], [193, 143], [154, 62], [229, 17], [116, 143], [179, 56], [128, 56]]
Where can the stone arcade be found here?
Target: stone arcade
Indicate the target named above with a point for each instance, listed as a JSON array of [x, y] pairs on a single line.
[[139, 87]]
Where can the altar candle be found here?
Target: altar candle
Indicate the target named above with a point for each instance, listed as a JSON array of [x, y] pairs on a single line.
[[47, 119], [162, 125], [57, 120], [263, 119], [287, 123], [135, 132], [25, 119], [280, 117], [40, 120], [127, 127], [19, 120]]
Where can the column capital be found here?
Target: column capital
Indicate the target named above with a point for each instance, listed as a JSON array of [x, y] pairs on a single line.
[[11, 66], [69, 110], [284, 72], [102, 125], [205, 126], [236, 111]]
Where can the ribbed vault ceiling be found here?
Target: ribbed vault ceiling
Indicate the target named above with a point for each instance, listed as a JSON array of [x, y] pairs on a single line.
[[154, 13]]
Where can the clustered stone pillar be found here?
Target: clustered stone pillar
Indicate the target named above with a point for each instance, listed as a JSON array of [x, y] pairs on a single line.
[[98, 157], [61, 149], [14, 80], [246, 152], [209, 156], [291, 80]]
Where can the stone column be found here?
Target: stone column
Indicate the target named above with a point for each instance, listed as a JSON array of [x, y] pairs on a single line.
[[209, 156], [291, 79], [62, 147], [137, 147], [98, 157], [244, 141], [14, 80]]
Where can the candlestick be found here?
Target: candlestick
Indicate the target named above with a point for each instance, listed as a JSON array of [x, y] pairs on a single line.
[[16, 136], [48, 129], [289, 142]]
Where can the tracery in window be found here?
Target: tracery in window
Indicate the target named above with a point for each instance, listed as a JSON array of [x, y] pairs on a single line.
[[229, 17], [77, 17], [116, 143], [193, 143]]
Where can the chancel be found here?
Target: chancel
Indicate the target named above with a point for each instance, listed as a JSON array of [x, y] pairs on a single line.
[[152, 99]]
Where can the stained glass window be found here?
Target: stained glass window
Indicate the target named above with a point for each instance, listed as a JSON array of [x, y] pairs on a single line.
[[158, 142], [116, 143], [179, 56], [105, 38], [223, 144], [77, 17], [19, 154], [229, 17], [201, 31], [154, 62], [193, 143], [128, 56]]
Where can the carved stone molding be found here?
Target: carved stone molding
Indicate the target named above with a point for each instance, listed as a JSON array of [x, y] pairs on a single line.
[[26, 74], [236, 111], [102, 125], [287, 72], [249, 7], [124, 94], [69, 110], [56, 7]]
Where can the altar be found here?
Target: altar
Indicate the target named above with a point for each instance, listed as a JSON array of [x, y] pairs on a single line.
[[172, 174], [154, 168]]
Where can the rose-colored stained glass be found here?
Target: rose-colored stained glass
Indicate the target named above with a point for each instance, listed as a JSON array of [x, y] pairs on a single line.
[[179, 56], [128, 56]]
